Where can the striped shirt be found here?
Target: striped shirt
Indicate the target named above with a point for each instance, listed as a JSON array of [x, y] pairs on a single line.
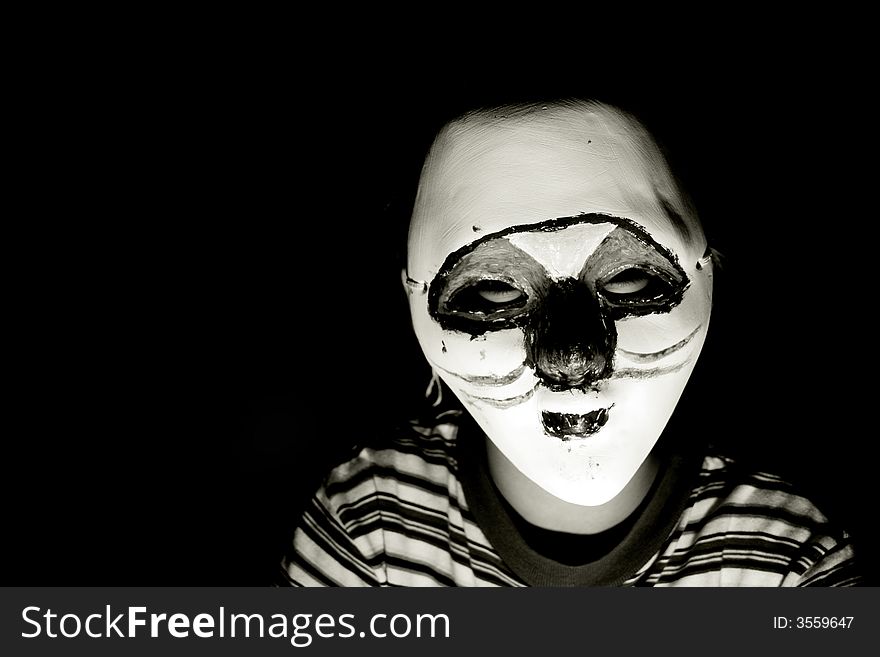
[[421, 511]]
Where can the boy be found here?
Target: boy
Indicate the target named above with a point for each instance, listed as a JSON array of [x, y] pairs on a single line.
[[560, 285]]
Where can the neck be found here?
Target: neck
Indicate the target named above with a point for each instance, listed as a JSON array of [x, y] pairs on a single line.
[[540, 508]]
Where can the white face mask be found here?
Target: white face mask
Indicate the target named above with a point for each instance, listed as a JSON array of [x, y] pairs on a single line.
[[557, 285]]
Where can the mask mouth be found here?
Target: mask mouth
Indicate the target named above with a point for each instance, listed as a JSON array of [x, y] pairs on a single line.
[[568, 426]]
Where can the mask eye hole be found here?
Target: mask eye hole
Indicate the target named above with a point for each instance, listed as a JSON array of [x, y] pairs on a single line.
[[628, 282], [634, 286], [487, 297], [498, 293]]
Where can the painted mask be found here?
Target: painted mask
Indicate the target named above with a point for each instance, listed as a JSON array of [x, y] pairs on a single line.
[[558, 285]]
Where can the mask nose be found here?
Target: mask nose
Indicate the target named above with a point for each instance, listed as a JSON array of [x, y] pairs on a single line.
[[571, 342], [571, 370]]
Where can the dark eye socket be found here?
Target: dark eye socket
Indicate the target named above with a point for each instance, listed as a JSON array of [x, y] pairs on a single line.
[[487, 297], [634, 285]]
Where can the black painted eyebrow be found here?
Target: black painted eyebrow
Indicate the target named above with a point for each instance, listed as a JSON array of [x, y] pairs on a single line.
[[530, 278], [550, 226], [440, 282]]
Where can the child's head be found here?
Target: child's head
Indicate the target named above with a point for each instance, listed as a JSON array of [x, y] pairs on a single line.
[[558, 285]]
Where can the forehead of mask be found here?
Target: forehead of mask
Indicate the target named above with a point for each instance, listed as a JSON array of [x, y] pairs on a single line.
[[497, 169]]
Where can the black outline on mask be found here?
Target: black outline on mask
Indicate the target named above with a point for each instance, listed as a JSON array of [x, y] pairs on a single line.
[[508, 402], [488, 380], [572, 426], [437, 285], [657, 355], [569, 328]]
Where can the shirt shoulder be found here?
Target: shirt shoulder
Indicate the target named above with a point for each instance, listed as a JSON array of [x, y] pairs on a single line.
[[392, 515], [748, 527], [419, 455]]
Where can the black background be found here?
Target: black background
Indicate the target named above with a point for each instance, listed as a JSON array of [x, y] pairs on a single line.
[[206, 288]]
